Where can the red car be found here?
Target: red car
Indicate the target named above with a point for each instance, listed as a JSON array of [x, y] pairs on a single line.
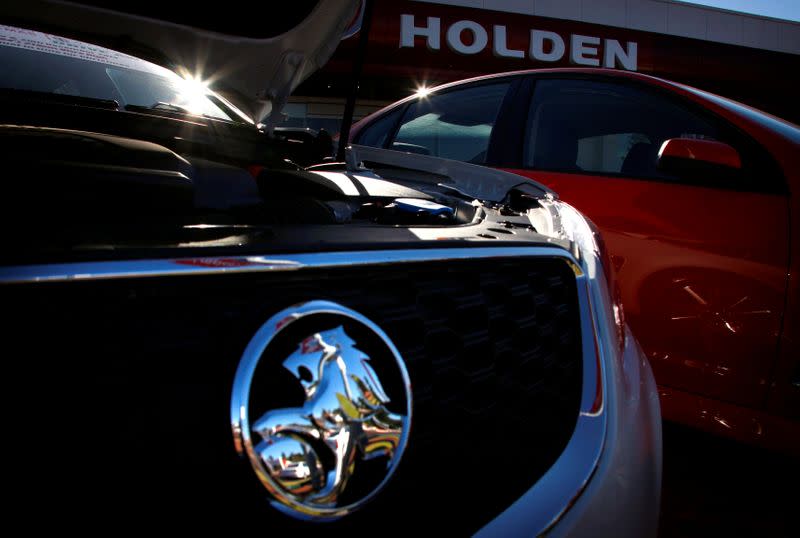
[[697, 198]]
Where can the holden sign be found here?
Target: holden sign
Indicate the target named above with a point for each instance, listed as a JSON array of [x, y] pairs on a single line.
[[470, 37]]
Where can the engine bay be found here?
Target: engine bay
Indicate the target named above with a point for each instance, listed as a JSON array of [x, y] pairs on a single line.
[[80, 193]]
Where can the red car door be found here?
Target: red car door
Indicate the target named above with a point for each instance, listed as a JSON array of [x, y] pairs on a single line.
[[701, 263]]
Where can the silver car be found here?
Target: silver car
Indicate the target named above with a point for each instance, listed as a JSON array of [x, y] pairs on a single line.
[[207, 328]]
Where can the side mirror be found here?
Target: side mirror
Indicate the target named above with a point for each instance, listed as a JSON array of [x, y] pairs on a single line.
[[692, 157]]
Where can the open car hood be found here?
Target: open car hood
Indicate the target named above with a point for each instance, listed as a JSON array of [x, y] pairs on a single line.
[[255, 57]]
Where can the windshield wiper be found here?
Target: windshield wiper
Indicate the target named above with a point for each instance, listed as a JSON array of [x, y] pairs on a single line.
[[167, 109], [32, 96], [161, 105]]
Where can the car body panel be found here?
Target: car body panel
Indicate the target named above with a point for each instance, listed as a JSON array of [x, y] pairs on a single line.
[[632, 453], [616, 500], [705, 302]]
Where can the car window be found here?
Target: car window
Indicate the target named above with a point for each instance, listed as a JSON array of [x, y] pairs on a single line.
[[377, 132], [603, 127], [454, 125]]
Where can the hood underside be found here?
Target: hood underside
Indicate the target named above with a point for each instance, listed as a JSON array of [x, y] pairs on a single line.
[[222, 45]]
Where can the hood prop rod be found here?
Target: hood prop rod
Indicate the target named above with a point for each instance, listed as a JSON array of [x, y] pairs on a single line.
[[358, 64]]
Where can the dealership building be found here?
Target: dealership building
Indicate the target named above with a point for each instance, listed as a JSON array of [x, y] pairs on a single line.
[[421, 43]]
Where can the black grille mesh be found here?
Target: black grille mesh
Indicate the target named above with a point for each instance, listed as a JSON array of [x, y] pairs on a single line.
[[133, 377]]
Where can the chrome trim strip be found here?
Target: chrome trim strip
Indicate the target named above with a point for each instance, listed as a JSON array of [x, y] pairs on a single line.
[[552, 495], [257, 264]]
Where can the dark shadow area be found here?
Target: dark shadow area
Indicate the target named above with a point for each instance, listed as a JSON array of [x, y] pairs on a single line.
[[718, 487]]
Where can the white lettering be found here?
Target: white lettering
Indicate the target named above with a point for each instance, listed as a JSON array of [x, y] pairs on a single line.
[[614, 56], [538, 40], [408, 32], [479, 37], [501, 44], [544, 46], [581, 47]]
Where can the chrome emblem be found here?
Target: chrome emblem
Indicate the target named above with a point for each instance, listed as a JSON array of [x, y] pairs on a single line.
[[326, 453]]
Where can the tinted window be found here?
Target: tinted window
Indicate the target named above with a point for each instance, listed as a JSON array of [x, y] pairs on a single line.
[[599, 127], [454, 125], [768, 121], [376, 133]]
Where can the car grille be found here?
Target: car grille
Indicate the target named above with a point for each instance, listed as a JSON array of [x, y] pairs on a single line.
[[124, 386]]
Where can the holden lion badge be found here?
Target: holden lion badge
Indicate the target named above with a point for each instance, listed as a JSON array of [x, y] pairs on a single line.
[[321, 407]]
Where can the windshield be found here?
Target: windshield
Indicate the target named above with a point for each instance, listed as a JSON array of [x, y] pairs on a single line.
[[41, 62]]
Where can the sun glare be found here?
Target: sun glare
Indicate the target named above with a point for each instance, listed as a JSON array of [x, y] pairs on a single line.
[[192, 93], [422, 91]]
